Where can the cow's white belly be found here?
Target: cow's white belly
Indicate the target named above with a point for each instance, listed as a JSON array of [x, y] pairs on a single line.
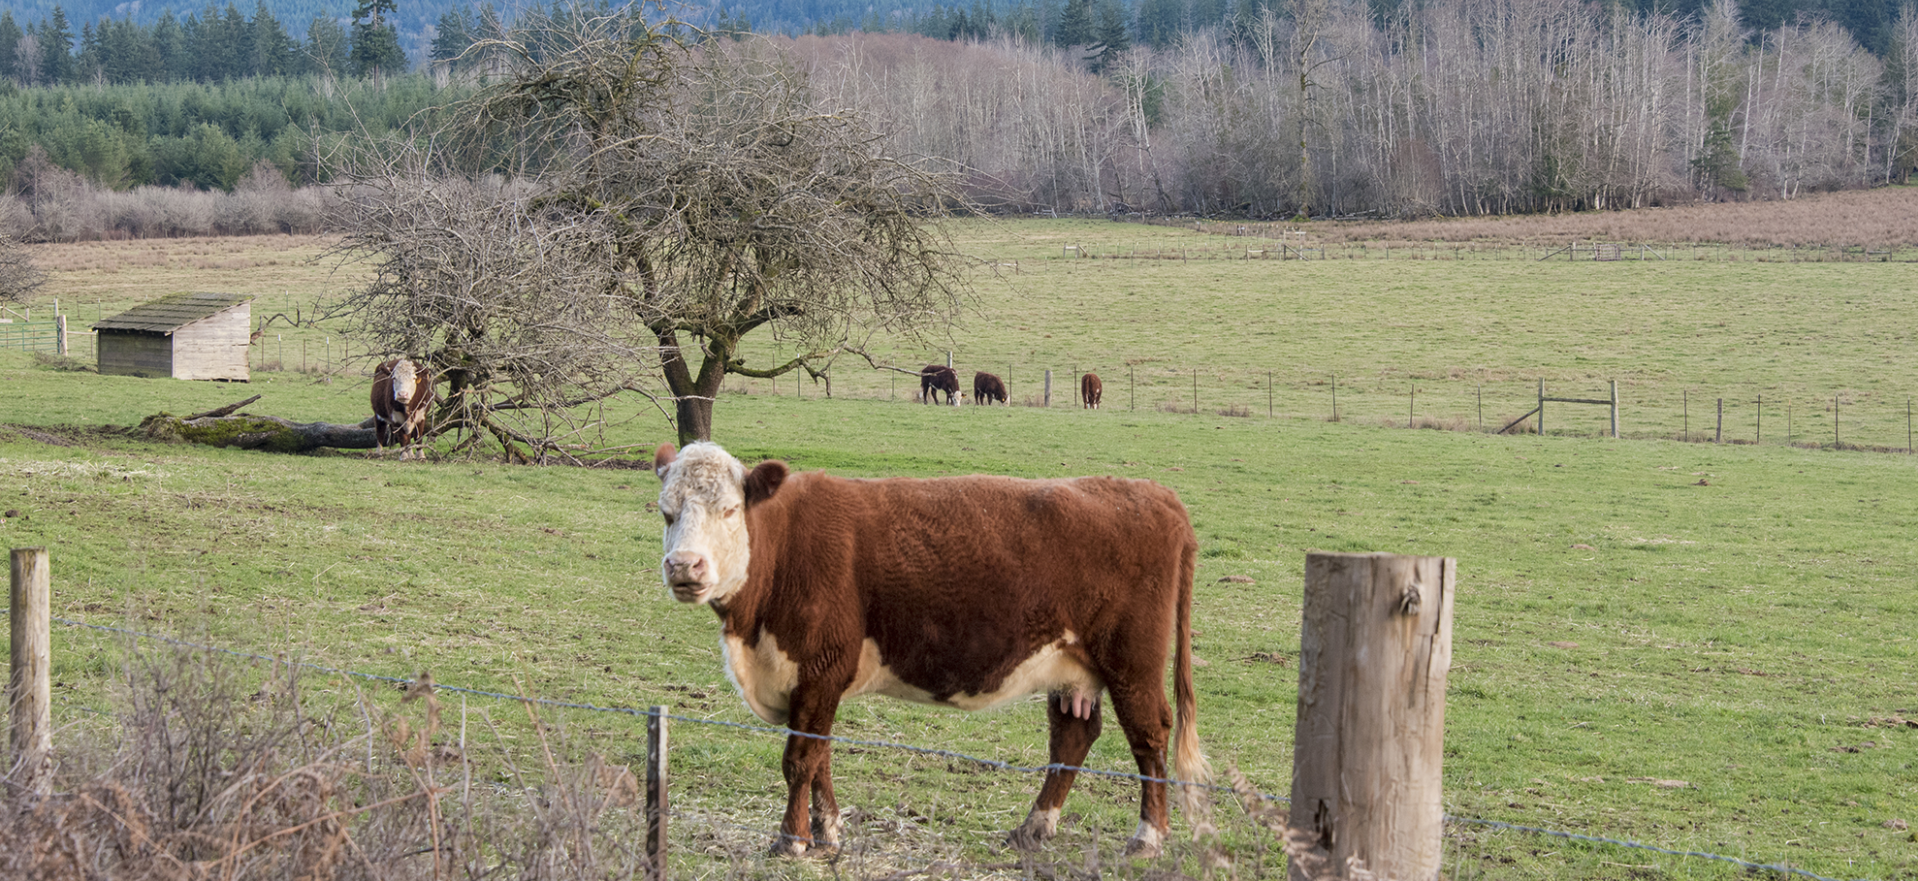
[[765, 677]]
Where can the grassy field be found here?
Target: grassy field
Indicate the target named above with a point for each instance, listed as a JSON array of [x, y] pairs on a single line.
[[1731, 620]]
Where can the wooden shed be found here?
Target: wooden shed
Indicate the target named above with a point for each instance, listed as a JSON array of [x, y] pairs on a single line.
[[185, 336]]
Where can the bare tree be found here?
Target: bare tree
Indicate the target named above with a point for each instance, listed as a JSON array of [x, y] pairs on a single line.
[[654, 204], [19, 278]]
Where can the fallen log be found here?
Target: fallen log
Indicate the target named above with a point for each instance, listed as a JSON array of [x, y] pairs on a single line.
[[249, 432]]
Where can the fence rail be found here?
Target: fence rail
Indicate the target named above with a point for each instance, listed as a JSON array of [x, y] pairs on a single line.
[[21, 616]]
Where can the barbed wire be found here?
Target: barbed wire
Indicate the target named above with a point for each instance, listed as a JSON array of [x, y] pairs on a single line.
[[995, 764]]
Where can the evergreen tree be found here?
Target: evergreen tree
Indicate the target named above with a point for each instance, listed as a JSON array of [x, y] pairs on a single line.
[[56, 48], [376, 43], [1112, 34], [1160, 22], [88, 67], [272, 50], [10, 34], [325, 49], [455, 32], [169, 42], [1075, 24]]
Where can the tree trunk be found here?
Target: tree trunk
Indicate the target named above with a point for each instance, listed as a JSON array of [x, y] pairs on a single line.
[[269, 433], [693, 396]]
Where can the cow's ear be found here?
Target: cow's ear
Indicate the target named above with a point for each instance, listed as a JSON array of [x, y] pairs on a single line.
[[663, 457], [764, 481]]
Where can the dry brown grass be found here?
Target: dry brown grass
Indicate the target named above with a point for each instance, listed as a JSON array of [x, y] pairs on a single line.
[[212, 770], [208, 771], [1883, 217]]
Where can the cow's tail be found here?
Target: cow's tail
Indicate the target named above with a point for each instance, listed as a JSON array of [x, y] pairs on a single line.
[[1189, 762]]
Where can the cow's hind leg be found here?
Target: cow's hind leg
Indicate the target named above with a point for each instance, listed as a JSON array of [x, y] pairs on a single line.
[[1147, 721], [1074, 719]]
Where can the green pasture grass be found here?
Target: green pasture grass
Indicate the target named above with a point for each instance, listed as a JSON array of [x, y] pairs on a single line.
[[1736, 618]]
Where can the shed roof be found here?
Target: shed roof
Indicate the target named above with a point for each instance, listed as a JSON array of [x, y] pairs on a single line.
[[171, 313]]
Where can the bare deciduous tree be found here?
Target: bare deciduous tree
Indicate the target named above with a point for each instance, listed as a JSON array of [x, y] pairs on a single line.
[[19, 278], [661, 203]]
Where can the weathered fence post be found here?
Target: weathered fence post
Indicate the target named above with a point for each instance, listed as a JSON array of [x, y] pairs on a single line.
[[1614, 409], [1047, 401], [30, 682], [1541, 408], [60, 335], [1718, 434], [1373, 656], [656, 807]]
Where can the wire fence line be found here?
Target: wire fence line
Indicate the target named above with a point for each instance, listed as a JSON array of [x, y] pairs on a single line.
[[994, 764]]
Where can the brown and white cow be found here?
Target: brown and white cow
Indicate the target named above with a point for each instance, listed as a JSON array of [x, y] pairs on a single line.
[[1091, 390], [967, 592], [987, 389], [402, 396], [936, 378]]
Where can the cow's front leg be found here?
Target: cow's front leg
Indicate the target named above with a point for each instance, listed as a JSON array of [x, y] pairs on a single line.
[[1074, 719], [825, 808], [808, 768]]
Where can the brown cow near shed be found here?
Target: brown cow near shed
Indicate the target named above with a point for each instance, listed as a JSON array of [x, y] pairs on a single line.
[[987, 388], [967, 592], [402, 396], [936, 378], [1091, 390]]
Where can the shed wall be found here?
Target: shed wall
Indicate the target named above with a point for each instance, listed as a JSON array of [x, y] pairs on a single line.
[[215, 347], [124, 353]]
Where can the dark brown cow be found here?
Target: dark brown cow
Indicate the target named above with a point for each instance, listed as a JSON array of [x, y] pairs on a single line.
[[987, 388], [1091, 390], [402, 395], [936, 378], [966, 592]]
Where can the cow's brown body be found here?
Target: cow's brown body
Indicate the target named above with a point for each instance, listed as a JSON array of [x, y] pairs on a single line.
[[936, 378], [987, 389], [966, 591], [402, 396], [1091, 390]]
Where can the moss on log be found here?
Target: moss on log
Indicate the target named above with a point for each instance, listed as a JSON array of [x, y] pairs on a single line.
[[270, 433]]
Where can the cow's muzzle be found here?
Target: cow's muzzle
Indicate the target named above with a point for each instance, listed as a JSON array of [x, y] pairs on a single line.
[[687, 575]]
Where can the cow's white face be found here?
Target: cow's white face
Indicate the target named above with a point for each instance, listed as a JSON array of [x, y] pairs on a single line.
[[703, 500], [404, 381]]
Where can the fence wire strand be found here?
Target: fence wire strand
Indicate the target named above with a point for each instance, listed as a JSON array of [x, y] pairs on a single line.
[[994, 764]]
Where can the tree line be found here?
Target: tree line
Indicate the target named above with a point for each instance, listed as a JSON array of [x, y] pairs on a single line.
[[1323, 108], [213, 45]]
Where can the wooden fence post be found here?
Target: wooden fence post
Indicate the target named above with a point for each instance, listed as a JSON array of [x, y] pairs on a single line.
[[60, 335], [30, 683], [656, 807], [1541, 408], [1374, 653], [1718, 434], [1614, 409], [1048, 398]]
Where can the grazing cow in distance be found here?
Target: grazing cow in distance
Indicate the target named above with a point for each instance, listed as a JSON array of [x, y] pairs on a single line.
[[987, 388], [402, 395], [936, 378], [965, 592], [1091, 390]]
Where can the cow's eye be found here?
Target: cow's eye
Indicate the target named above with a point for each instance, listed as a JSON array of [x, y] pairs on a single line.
[[732, 511]]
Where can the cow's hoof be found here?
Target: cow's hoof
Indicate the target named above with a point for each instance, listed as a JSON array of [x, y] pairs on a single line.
[[1146, 843], [789, 846], [1141, 849], [1025, 838], [1035, 831]]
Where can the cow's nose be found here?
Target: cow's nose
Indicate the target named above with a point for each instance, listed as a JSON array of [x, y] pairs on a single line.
[[685, 566]]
